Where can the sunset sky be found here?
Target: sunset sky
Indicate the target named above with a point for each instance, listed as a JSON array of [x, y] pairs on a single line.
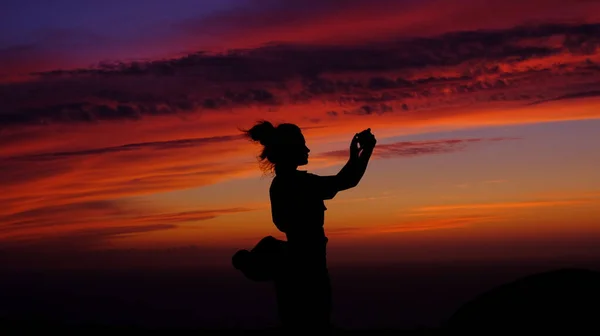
[[119, 126]]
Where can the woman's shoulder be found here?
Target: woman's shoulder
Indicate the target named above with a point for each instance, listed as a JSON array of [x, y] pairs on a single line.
[[292, 176], [298, 178], [303, 178]]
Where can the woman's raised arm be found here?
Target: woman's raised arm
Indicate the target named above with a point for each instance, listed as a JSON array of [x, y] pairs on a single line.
[[353, 171]]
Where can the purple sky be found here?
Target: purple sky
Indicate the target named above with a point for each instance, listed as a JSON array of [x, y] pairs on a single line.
[[81, 33], [25, 21]]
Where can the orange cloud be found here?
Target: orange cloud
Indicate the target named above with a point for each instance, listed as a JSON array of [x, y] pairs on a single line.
[[98, 221], [107, 173], [415, 148], [412, 226], [495, 206], [494, 181]]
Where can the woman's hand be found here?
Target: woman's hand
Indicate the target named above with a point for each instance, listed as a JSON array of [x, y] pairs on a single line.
[[366, 140], [361, 149]]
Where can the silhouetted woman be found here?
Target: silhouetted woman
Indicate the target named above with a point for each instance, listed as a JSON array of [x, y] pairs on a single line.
[[302, 285]]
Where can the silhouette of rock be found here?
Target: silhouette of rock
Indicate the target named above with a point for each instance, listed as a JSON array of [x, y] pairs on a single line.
[[565, 299]]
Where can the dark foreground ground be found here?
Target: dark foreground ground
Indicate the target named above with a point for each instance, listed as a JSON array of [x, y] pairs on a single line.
[[428, 300], [40, 328]]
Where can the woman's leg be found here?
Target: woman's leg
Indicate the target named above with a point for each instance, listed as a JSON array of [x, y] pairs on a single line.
[[322, 303], [284, 302], [304, 292]]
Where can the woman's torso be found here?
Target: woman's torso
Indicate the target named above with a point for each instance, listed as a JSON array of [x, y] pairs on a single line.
[[296, 209]]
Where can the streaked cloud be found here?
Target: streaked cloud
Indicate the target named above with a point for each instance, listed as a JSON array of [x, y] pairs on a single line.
[[96, 222], [412, 226], [361, 79], [505, 205], [417, 148], [495, 181]]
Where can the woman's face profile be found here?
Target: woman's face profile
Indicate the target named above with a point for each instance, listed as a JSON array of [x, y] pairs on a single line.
[[297, 149]]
